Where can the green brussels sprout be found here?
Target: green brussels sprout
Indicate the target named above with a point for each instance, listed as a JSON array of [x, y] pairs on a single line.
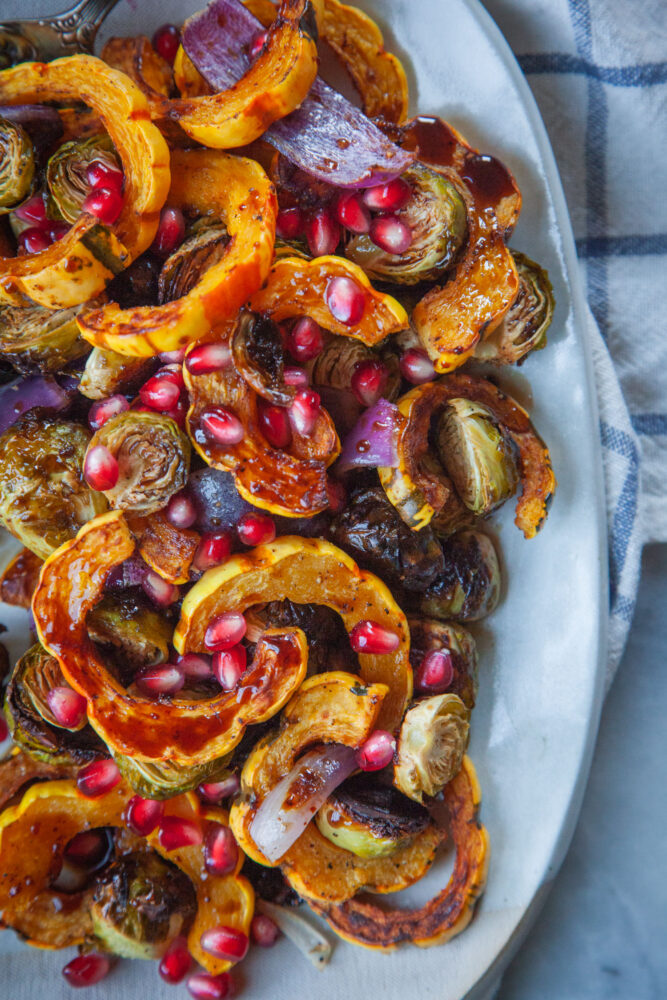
[[478, 455], [163, 779], [524, 327], [66, 173], [427, 634], [17, 165], [44, 498], [141, 902], [107, 373], [469, 587], [334, 367], [33, 338], [369, 819], [431, 744], [133, 633], [153, 457], [436, 216], [185, 266]]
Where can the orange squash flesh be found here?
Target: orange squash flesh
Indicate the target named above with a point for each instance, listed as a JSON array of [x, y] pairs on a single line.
[[167, 550], [71, 584], [136, 57], [19, 579]]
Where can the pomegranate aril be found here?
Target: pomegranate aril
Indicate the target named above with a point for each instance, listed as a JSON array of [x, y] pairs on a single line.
[[212, 550], [68, 707], [275, 426], [33, 210], [305, 340], [304, 411], [295, 376], [337, 495], [4, 729], [290, 223], [175, 832], [265, 932], [178, 413], [352, 213], [160, 591], [322, 233], [98, 778], [345, 300], [34, 240], [221, 852], [203, 986], [176, 961], [100, 468], [160, 393], [390, 234], [256, 529], [105, 203], [86, 970], [225, 942], [225, 631], [435, 672], [229, 665], [369, 380], [208, 358], [173, 373], [387, 197], [90, 849], [57, 230], [181, 511], [100, 174], [257, 44], [216, 791], [166, 679], [70, 879], [166, 40], [105, 409], [170, 231], [372, 637], [195, 666], [377, 751], [173, 357], [221, 426], [142, 816], [416, 366]]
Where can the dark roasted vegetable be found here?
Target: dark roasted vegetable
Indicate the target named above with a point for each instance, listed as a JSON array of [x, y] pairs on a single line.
[[328, 643], [133, 633], [187, 265], [469, 587], [524, 327], [219, 504], [17, 165], [66, 173], [258, 353], [427, 634], [155, 779], [33, 338], [431, 744]]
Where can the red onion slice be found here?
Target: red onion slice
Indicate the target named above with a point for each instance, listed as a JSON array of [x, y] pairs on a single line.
[[38, 390], [327, 136], [277, 824], [373, 440], [42, 123]]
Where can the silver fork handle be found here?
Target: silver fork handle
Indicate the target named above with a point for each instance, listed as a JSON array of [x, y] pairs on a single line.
[[78, 26]]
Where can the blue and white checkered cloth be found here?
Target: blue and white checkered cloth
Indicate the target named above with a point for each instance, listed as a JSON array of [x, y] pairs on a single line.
[[598, 70]]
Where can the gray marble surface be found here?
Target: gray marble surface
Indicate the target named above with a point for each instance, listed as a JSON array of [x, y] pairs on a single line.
[[602, 934]]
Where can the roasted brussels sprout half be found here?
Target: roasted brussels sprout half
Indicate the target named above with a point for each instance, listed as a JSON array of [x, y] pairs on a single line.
[[182, 270], [163, 779], [436, 216], [153, 457], [328, 642], [134, 634], [433, 739], [524, 327], [33, 338], [44, 498], [66, 173], [369, 819], [258, 353], [17, 165], [334, 367], [140, 904], [107, 373], [427, 634], [478, 455], [469, 587]]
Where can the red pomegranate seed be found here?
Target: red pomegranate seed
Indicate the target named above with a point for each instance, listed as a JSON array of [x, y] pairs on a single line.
[[181, 511], [416, 366], [216, 791], [33, 210], [98, 778], [70, 879], [203, 986], [435, 673], [105, 409], [172, 373], [166, 679], [176, 832], [100, 174], [221, 853], [390, 234], [178, 413], [369, 380], [142, 816], [322, 233], [170, 231], [256, 529], [290, 223], [105, 203], [352, 214], [56, 231], [295, 376], [221, 426], [34, 240], [208, 358], [372, 637], [176, 961], [225, 942], [387, 197], [212, 550], [160, 393], [195, 666], [100, 468], [275, 426], [264, 931], [166, 40], [68, 706], [86, 970], [337, 495], [173, 357], [304, 411], [377, 752], [225, 631], [160, 591], [90, 850], [305, 340], [345, 300], [258, 44], [4, 729], [229, 665]]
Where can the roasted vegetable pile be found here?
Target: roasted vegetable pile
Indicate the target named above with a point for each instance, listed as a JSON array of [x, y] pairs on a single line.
[[250, 445]]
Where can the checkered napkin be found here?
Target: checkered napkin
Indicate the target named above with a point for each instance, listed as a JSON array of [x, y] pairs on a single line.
[[598, 70]]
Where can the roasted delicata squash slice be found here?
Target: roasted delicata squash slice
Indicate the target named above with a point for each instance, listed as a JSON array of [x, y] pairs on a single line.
[[167, 550], [180, 730], [19, 578], [305, 571], [81, 264], [419, 488], [30, 906], [236, 191]]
